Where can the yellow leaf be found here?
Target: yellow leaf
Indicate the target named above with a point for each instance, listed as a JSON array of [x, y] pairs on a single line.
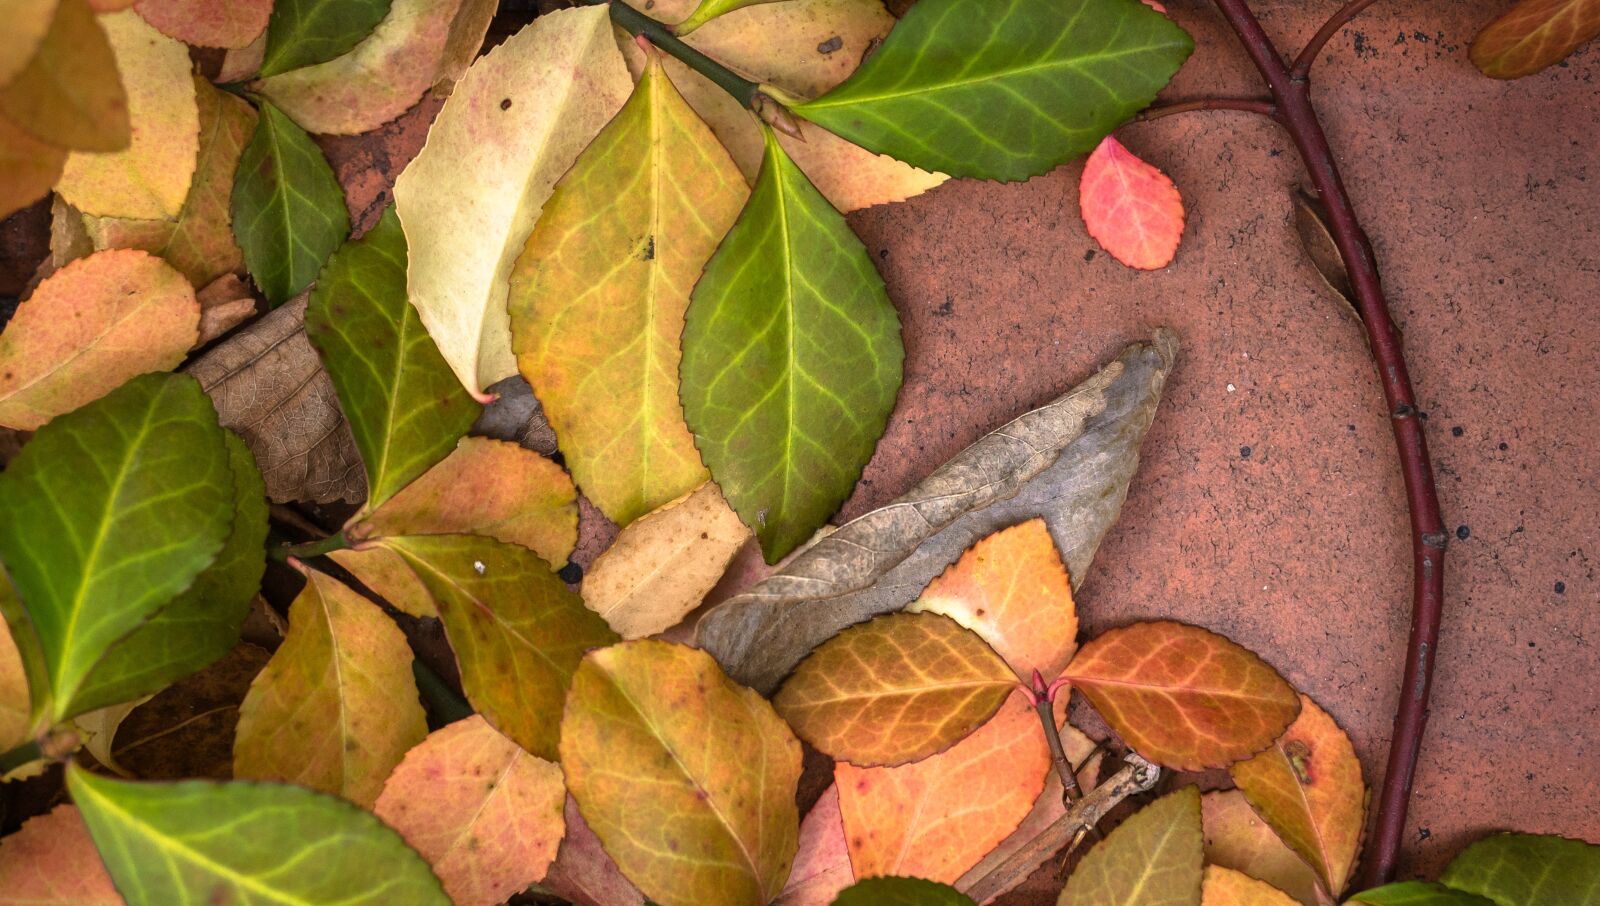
[[1237, 838], [27, 22], [69, 93], [1226, 887], [1151, 859]]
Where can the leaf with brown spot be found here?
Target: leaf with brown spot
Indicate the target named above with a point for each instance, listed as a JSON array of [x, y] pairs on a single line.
[[1183, 696], [583, 873], [485, 814], [1226, 887], [822, 862], [1151, 859], [705, 814], [1308, 787], [1012, 589], [52, 862], [28, 168], [70, 94], [1534, 34], [336, 708], [207, 23], [895, 689], [1237, 838], [187, 729]]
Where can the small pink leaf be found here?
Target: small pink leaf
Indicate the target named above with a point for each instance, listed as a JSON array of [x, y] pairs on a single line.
[[1131, 208]]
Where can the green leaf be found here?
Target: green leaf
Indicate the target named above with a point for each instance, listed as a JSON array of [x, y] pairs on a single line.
[[110, 512], [1151, 859], [1528, 870], [1003, 89], [891, 891], [791, 359], [711, 9], [306, 32], [197, 843], [404, 404], [1417, 893], [288, 210], [201, 624]]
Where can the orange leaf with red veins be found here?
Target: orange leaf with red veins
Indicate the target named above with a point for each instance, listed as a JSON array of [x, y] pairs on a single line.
[[1183, 696], [822, 864], [1151, 859], [583, 873], [1012, 589], [485, 814], [52, 862], [1534, 34], [1226, 887], [1131, 208], [894, 689], [1308, 787], [1237, 838], [936, 818], [207, 23]]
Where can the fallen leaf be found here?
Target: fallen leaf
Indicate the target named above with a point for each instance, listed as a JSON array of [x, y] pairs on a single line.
[[598, 295], [1417, 893], [485, 814], [1528, 870], [225, 303], [1069, 461], [1237, 838], [389, 576], [710, 9], [467, 31], [51, 861], [706, 815], [187, 729], [662, 565], [241, 63], [513, 126], [69, 240], [1308, 787], [1183, 696], [27, 22], [1131, 208], [29, 168], [1534, 34], [1226, 887], [207, 23], [96, 730], [895, 689], [110, 6], [822, 862], [1013, 591], [1311, 223], [150, 178], [16, 708], [70, 94], [901, 892], [336, 708], [1151, 859], [88, 328], [306, 32], [515, 415], [583, 873]]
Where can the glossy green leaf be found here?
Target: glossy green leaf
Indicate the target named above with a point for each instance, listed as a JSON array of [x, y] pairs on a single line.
[[307, 32], [1417, 893], [110, 512], [1528, 870], [201, 624], [1003, 89], [288, 210], [405, 407], [890, 891], [198, 843], [791, 359]]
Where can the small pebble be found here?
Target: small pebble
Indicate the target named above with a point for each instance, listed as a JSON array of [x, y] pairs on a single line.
[[1231, 388], [571, 574], [1463, 532], [478, 567], [1244, 452], [1457, 431], [1561, 588]]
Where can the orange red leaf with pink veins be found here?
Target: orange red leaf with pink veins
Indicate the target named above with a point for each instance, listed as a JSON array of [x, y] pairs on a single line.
[[1226, 887], [336, 708], [894, 689], [1131, 208], [1308, 787], [485, 814], [68, 93], [52, 861], [1183, 696], [207, 23], [1012, 589], [1151, 859], [1534, 34], [1237, 838], [89, 327], [822, 864], [28, 168], [936, 818], [704, 814], [583, 873]]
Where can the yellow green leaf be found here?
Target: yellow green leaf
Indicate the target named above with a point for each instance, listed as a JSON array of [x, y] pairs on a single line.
[[1226, 887], [389, 576], [70, 93], [1237, 838], [1151, 859]]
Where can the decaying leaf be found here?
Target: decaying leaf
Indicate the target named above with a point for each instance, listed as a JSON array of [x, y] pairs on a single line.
[[187, 729], [52, 862], [207, 23], [822, 863], [1226, 887], [1311, 224], [28, 168], [225, 303], [1534, 34], [1068, 462], [1237, 838], [662, 565], [27, 22], [1151, 859], [583, 873], [69, 93], [1131, 208], [515, 415]]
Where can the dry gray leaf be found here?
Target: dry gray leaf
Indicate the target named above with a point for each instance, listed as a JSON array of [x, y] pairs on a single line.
[[1069, 461], [516, 415], [268, 385]]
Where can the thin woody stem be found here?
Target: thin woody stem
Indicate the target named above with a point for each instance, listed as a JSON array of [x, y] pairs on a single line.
[[1246, 105], [1043, 698], [310, 549], [746, 92], [1302, 64]]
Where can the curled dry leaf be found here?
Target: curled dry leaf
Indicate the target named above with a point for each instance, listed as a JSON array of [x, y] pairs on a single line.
[[1311, 224], [1151, 859], [822, 863], [1069, 462], [515, 415], [662, 565], [225, 303], [69, 93], [207, 23], [485, 814], [1237, 838], [88, 328], [583, 873], [1534, 34], [28, 168], [1131, 208], [52, 860], [1226, 887]]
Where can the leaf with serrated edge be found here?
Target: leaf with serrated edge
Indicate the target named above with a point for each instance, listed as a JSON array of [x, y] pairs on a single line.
[[583, 873], [52, 862], [1308, 787], [206, 23], [898, 891], [29, 168], [89, 327], [1528, 870], [517, 632], [822, 862], [336, 708], [705, 815], [791, 359], [485, 814], [1226, 887], [288, 210], [1237, 838], [1416, 893], [1131, 208], [936, 818], [1183, 696], [306, 32], [598, 295], [70, 94], [1151, 859], [663, 564], [512, 127], [1041, 83], [197, 842], [1534, 34], [1012, 589], [895, 689], [110, 512]]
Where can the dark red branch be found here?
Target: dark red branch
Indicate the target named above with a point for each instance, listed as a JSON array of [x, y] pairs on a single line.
[[1302, 64], [1295, 111]]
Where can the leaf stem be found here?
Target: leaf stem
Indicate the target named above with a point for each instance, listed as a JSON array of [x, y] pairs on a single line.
[[1302, 64], [337, 542], [21, 755], [1247, 105], [1043, 698], [746, 92]]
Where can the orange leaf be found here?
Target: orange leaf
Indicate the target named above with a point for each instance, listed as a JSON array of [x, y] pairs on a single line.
[[1151, 859], [1130, 207], [1534, 34], [28, 168], [1237, 838], [894, 689], [51, 860], [1226, 887], [27, 22], [1308, 788], [1183, 696], [389, 576], [208, 23], [583, 873], [937, 817], [822, 864], [70, 94], [1012, 589], [485, 814]]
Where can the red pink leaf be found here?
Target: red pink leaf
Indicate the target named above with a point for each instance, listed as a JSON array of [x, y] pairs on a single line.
[[1131, 208], [51, 860], [822, 864]]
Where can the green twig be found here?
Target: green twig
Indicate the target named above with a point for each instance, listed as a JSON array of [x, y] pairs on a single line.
[[309, 549], [21, 755], [746, 92]]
